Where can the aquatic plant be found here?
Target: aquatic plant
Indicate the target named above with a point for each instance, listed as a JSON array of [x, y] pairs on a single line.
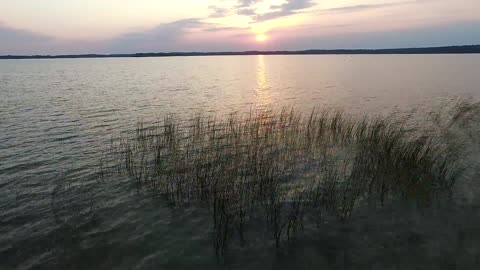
[[281, 168]]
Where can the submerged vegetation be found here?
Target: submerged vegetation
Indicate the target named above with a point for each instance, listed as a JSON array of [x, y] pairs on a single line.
[[283, 170]]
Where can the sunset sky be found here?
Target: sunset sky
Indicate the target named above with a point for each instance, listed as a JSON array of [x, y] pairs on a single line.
[[127, 26]]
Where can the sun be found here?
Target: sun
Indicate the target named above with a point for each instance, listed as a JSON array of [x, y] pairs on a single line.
[[261, 38]]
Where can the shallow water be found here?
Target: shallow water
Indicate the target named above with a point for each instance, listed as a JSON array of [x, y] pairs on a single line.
[[57, 115]]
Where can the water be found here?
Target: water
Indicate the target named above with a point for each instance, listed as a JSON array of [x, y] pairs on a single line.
[[57, 115]]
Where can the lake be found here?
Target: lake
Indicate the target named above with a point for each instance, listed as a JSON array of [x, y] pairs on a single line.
[[57, 115]]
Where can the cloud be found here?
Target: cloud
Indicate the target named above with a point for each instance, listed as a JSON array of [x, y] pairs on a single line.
[[240, 7], [198, 34], [356, 8], [18, 40], [246, 11], [247, 3], [165, 36], [248, 8], [9, 34], [184, 35], [289, 8], [218, 12], [218, 29], [462, 33]]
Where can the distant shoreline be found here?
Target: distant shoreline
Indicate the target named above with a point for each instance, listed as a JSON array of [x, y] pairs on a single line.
[[467, 49]]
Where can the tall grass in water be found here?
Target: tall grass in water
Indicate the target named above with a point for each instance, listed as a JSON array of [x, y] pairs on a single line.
[[281, 168]]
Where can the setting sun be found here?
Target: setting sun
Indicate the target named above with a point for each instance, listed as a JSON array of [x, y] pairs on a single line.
[[261, 38]]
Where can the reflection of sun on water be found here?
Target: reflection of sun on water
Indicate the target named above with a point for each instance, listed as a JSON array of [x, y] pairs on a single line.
[[263, 91], [261, 79]]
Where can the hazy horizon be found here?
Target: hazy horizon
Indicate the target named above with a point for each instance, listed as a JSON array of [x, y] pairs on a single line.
[[110, 27]]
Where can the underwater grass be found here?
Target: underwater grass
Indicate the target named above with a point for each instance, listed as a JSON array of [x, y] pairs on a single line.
[[282, 168]]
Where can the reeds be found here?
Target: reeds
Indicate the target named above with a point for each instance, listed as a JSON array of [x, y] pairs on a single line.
[[281, 168]]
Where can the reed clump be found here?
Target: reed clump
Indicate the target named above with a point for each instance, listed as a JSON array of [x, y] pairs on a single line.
[[282, 168]]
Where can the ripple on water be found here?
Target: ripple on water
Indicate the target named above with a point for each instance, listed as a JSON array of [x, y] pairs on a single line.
[[57, 115]]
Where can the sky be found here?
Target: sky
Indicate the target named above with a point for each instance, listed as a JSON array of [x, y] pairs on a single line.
[[127, 26]]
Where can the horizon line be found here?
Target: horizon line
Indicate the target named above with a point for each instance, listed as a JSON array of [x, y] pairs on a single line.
[[449, 49]]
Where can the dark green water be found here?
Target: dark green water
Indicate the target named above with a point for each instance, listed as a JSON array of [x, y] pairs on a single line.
[[57, 115]]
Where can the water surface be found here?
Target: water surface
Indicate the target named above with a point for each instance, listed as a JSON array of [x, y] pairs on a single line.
[[56, 116]]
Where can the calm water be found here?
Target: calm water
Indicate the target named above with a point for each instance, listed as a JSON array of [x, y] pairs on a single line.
[[56, 116]]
